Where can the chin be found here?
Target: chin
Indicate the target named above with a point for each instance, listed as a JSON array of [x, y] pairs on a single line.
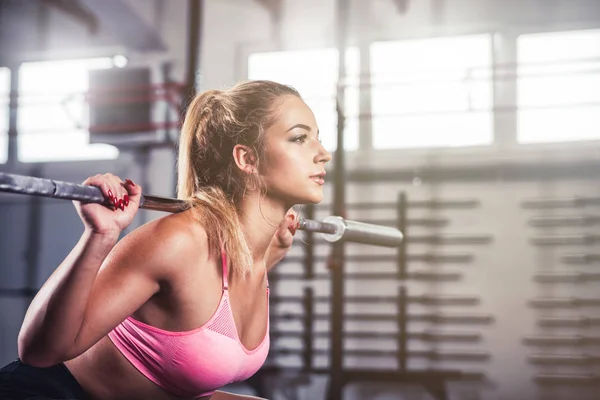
[[310, 196], [306, 200], [313, 200]]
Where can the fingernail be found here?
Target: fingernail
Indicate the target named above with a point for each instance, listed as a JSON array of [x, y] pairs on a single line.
[[126, 200], [110, 193], [121, 204], [115, 201], [130, 182]]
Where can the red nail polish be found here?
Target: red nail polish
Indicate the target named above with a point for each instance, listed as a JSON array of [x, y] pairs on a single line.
[[110, 193], [121, 204], [126, 200], [130, 182], [115, 201]]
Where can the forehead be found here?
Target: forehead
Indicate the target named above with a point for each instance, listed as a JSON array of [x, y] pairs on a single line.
[[293, 110]]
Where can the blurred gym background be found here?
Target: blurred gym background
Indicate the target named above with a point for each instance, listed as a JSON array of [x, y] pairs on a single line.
[[473, 125]]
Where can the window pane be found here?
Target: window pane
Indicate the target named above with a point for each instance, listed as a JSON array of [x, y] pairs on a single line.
[[314, 73], [432, 92], [558, 86], [4, 113], [52, 118]]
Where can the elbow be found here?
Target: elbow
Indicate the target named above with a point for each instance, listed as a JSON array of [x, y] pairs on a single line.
[[34, 355], [35, 359]]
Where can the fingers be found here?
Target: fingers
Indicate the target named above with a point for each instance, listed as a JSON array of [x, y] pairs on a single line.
[[291, 220], [287, 229], [293, 223], [134, 192], [117, 193], [293, 213], [289, 224], [133, 188]]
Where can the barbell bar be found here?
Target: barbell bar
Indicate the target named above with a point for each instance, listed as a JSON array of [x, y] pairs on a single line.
[[332, 228]]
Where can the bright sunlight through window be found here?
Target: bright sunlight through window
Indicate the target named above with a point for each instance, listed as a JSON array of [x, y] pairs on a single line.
[[432, 92], [4, 111], [52, 118], [559, 86], [314, 73]]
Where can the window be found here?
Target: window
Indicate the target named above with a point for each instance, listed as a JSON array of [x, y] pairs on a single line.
[[314, 73], [4, 113], [558, 86], [52, 118], [432, 92]]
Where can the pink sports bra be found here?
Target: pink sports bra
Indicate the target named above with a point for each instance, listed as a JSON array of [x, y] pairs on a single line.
[[193, 363]]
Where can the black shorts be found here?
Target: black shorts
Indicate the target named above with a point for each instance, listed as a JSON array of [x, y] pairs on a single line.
[[20, 381]]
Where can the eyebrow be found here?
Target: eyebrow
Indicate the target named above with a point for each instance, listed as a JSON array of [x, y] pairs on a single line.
[[302, 126]]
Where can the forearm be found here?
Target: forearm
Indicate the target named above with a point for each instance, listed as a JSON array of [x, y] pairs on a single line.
[[55, 315], [275, 255], [219, 395]]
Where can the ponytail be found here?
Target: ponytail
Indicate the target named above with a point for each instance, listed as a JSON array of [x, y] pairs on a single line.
[[211, 205]]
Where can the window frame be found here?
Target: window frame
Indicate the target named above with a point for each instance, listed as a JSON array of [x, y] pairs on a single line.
[[50, 130], [434, 113], [573, 63], [504, 147]]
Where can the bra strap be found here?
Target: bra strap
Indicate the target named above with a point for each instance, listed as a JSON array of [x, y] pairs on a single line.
[[224, 265]]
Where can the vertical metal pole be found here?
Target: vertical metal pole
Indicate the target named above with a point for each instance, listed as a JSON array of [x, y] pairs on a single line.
[[142, 158], [365, 87], [195, 11], [195, 18], [402, 329], [401, 225], [336, 375], [401, 302], [309, 239], [165, 72], [308, 302]]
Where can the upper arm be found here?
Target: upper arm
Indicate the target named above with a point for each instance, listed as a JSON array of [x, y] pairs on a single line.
[[130, 275]]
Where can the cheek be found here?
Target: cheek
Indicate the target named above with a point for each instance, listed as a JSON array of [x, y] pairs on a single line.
[[281, 159], [286, 164], [282, 169], [274, 166]]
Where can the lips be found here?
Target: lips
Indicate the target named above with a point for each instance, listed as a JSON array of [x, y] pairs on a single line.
[[319, 178]]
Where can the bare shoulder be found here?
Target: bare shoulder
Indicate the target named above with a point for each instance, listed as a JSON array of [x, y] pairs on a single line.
[[165, 244]]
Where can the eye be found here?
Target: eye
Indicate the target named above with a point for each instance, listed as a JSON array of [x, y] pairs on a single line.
[[299, 139]]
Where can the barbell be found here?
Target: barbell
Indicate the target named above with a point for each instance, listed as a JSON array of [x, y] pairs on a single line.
[[333, 228]]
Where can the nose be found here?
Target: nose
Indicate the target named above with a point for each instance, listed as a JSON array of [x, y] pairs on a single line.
[[323, 156]]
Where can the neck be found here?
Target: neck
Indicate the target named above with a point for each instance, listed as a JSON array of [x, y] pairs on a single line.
[[260, 218]]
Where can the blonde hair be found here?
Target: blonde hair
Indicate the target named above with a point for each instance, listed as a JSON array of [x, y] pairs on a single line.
[[208, 177]]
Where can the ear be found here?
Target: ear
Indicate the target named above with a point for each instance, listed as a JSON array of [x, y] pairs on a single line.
[[245, 158]]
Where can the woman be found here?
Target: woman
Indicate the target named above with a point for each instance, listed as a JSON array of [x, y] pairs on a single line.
[[179, 307]]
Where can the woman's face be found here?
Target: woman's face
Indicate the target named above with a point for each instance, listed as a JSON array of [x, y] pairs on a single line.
[[294, 164]]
